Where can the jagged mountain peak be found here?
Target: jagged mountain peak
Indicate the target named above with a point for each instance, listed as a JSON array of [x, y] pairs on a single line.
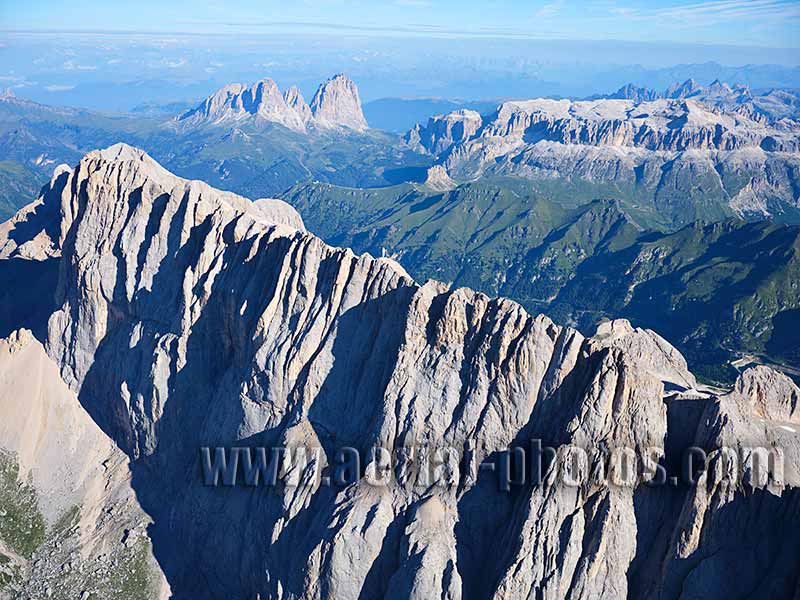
[[294, 98], [260, 102], [124, 152], [336, 103], [682, 90], [718, 94], [181, 320]]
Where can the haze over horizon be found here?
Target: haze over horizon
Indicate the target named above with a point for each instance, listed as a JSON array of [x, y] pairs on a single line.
[[98, 55], [768, 23]]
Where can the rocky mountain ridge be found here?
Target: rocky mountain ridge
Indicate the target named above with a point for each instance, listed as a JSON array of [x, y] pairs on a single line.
[[657, 125], [671, 152], [717, 291], [771, 105], [184, 316], [335, 105]]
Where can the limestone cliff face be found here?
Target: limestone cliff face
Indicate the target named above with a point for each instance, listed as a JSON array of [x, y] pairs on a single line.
[[186, 317], [336, 105], [72, 524], [294, 98], [657, 145], [443, 131], [262, 102], [659, 125]]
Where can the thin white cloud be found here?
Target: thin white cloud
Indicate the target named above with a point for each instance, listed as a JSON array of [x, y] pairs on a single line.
[[59, 88], [715, 11], [168, 63], [549, 10], [73, 66]]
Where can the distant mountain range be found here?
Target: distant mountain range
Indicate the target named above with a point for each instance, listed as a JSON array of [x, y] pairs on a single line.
[[673, 161], [669, 161], [236, 141], [773, 104], [336, 104]]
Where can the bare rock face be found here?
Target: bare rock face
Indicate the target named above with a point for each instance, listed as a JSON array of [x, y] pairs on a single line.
[[659, 125], [278, 212], [71, 489], [438, 179], [443, 131], [185, 317], [656, 144], [769, 106], [337, 104], [772, 395], [294, 99], [261, 102]]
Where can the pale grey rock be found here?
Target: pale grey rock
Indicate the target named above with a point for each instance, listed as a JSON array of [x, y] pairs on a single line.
[[659, 125], [683, 90], [633, 92], [663, 144], [279, 212], [261, 102], [81, 478], [662, 360], [768, 106], [337, 104], [443, 131], [186, 317], [760, 510], [773, 396], [438, 179], [294, 99]]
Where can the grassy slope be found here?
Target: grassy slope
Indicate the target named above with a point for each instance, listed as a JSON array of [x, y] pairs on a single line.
[[19, 185]]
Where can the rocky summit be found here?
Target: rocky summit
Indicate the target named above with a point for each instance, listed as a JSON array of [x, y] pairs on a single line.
[[769, 105], [163, 316], [336, 105], [670, 149]]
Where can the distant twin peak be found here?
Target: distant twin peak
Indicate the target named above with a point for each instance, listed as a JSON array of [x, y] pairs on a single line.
[[335, 105]]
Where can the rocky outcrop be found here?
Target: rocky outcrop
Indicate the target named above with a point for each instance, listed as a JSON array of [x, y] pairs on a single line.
[[336, 105], [186, 318], [660, 125], [295, 101], [665, 149], [261, 102], [72, 526], [438, 179], [633, 92], [772, 105], [444, 131]]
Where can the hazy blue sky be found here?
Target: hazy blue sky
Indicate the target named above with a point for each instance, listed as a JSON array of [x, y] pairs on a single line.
[[106, 54], [772, 23]]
